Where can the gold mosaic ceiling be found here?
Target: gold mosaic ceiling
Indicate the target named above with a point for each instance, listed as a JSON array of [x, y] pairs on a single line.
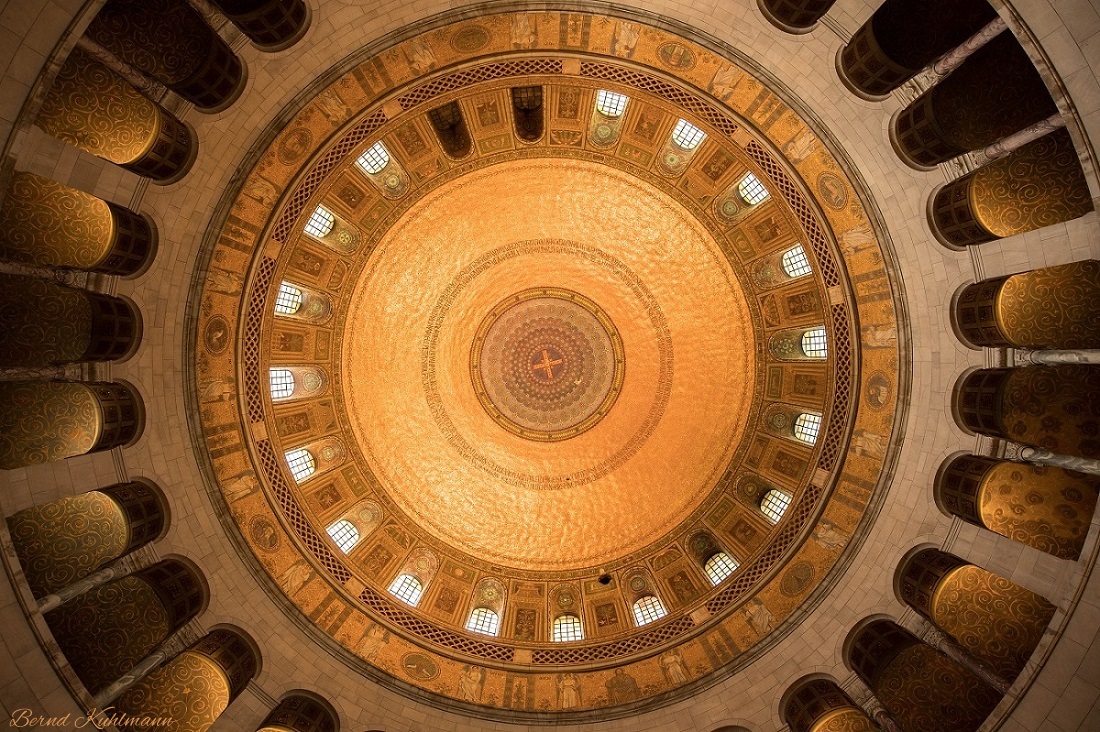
[[595, 251], [665, 288]]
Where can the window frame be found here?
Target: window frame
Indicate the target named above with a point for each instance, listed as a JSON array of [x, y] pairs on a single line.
[[574, 633], [729, 566], [285, 379], [752, 190], [770, 500], [796, 262], [807, 428], [611, 104], [687, 136], [344, 534], [400, 586], [648, 609], [374, 159], [814, 343], [314, 226], [288, 300], [490, 627], [297, 458]]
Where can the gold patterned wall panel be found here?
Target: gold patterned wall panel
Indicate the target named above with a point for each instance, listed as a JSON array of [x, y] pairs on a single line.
[[1037, 185], [924, 690], [45, 323], [164, 38], [187, 694], [50, 225], [106, 631], [820, 705], [41, 422], [311, 161], [170, 41], [1055, 307], [1047, 508], [63, 541], [996, 620], [846, 720], [1054, 407], [95, 109]]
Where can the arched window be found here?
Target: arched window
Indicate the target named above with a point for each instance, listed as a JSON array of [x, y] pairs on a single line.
[[451, 130], [483, 620], [407, 589], [289, 299], [807, 427], [751, 190], [796, 263], [567, 628], [375, 159], [719, 567], [345, 535], [815, 343], [611, 104], [648, 609], [527, 112], [774, 504], [282, 383], [687, 136], [320, 222], [302, 463]]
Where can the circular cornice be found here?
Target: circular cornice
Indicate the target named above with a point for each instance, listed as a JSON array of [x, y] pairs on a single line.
[[703, 636]]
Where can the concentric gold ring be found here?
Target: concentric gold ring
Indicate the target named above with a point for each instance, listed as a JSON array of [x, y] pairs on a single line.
[[547, 364]]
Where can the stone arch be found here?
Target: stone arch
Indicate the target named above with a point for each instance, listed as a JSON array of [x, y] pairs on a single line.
[[153, 143], [302, 711], [1044, 507], [44, 421], [46, 224], [995, 620], [169, 41]]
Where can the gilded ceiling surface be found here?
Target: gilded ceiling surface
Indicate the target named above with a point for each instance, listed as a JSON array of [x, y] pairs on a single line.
[[663, 284], [546, 367]]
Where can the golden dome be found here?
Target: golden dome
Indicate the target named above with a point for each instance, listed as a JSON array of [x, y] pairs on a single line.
[[641, 254]]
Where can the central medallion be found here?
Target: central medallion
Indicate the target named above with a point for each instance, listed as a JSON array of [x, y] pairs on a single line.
[[547, 364]]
